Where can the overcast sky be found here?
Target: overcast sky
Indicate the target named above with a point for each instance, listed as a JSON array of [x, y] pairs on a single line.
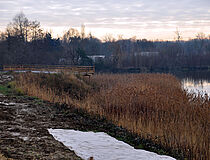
[[152, 19]]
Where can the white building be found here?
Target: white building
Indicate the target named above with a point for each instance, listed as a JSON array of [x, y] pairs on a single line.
[[97, 58], [146, 53]]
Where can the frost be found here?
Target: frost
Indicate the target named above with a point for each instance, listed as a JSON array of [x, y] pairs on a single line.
[[101, 146]]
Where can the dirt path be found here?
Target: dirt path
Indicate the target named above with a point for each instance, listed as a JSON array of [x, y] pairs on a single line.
[[23, 130]]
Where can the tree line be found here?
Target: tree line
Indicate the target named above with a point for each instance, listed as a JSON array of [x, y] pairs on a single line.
[[25, 42]]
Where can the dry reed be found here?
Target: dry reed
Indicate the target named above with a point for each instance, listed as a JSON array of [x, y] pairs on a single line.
[[152, 105]]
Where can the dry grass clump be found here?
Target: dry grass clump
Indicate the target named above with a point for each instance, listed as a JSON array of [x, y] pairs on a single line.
[[53, 87], [152, 105]]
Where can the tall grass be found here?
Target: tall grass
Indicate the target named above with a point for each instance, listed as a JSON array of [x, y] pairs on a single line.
[[156, 107], [53, 87], [152, 105]]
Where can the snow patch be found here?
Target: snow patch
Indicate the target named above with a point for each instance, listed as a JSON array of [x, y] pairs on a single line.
[[16, 134], [24, 138], [7, 104], [101, 146]]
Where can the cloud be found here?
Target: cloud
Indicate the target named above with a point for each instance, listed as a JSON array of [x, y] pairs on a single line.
[[125, 14]]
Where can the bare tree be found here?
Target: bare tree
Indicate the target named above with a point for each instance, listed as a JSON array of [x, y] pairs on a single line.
[[120, 37], [71, 40], [90, 36], [201, 36], [71, 33], [82, 31], [20, 26], [178, 34], [108, 38], [2, 36], [35, 30], [117, 55]]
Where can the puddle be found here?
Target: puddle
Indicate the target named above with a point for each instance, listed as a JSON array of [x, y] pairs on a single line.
[[1, 95], [7, 104], [46, 72], [24, 138], [15, 134], [101, 146], [15, 104]]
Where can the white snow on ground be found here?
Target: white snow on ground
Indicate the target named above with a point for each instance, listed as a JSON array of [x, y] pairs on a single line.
[[101, 146]]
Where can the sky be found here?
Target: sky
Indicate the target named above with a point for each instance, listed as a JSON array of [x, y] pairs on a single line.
[[150, 19]]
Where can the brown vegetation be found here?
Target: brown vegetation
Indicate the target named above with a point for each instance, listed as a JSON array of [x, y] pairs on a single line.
[[152, 105], [2, 157]]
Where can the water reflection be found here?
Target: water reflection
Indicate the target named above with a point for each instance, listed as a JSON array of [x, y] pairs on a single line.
[[201, 86], [198, 81]]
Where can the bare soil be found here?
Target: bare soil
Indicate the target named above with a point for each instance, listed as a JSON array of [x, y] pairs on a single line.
[[23, 130]]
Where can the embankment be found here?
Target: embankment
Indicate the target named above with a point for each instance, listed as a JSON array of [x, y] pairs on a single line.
[[154, 106]]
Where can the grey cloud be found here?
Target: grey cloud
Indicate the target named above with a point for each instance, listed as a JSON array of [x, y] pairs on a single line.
[[110, 13]]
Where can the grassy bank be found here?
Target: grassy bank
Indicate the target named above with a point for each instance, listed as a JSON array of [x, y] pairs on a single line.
[[154, 106]]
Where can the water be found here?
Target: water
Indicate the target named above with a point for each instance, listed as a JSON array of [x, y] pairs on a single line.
[[197, 82], [202, 86]]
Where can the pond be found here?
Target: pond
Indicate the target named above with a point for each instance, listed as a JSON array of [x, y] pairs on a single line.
[[198, 82]]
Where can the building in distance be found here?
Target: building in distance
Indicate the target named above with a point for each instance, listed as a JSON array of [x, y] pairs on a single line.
[[146, 54], [97, 58]]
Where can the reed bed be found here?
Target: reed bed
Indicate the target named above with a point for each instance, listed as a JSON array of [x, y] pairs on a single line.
[[56, 88], [154, 106]]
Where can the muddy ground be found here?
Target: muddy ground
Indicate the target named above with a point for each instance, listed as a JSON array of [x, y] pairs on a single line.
[[23, 130]]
